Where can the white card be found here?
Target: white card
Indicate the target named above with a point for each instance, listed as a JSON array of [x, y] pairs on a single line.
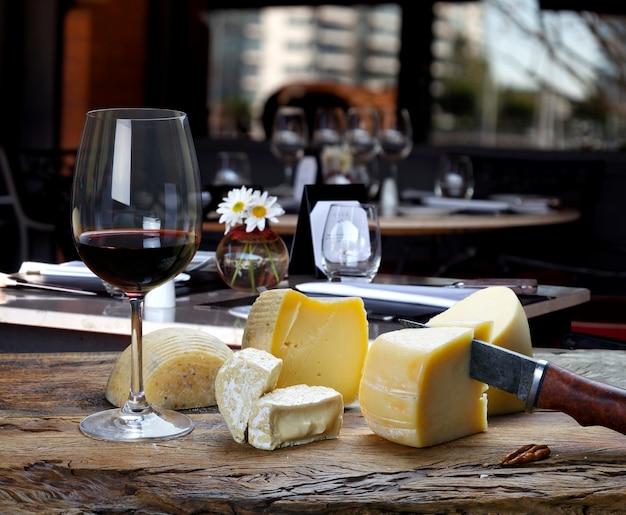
[[306, 173]]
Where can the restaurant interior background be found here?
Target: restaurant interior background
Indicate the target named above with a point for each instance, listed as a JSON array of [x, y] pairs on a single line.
[[534, 91]]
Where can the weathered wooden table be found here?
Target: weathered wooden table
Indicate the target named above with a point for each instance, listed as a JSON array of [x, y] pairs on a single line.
[[48, 466]]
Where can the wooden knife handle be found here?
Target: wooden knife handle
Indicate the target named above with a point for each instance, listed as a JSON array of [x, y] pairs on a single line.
[[589, 402]]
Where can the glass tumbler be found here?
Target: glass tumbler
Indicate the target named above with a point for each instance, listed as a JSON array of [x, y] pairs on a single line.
[[351, 243]]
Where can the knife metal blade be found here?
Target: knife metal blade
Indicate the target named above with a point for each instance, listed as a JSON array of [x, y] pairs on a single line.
[[507, 370], [9, 281], [542, 384], [520, 286]]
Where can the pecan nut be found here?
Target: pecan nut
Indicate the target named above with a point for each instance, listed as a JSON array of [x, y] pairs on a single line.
[[526, 454]]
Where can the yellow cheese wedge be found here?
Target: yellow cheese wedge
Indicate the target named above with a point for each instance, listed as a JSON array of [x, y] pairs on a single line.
[[241, 381], [295, 415], [322, 342], [510, 330], [179, 369], [483, 329], [416, 388]]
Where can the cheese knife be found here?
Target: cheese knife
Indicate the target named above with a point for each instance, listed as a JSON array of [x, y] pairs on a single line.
[[542, 384]]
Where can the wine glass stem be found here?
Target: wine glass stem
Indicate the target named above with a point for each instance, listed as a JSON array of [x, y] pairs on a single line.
[[393, 171], [136, 402], [288, 174]]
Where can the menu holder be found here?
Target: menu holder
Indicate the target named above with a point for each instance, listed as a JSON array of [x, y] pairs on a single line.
[[302, 256]]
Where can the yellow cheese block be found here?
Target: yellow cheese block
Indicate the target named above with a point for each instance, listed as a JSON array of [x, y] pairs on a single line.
[[295, 415], [322, 342], [416, 388], [179, 369], [500, 305], [241, 381]]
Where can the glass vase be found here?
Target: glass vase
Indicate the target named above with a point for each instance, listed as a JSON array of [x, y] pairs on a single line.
[[252, 261]]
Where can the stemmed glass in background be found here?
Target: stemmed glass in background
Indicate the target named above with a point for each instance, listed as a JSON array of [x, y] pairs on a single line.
[[362, 139], [233, 169], [455, 177], [136, 223], [290, 136], [396, 142], [329, 127], [396, 137]]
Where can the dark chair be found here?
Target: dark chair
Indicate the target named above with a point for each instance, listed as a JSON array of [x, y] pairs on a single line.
[[25, 223], [46, 182]]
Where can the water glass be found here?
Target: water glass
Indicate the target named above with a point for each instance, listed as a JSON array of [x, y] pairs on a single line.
[[455, 177], [351, 244]]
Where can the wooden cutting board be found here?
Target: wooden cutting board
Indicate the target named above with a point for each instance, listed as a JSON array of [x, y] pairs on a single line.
[[47, 465]]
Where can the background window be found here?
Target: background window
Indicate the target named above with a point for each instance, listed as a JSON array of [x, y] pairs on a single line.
[[255, 52], [506, 73]]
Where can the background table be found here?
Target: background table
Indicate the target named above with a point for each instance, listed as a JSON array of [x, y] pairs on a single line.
[[449, 224], [33, 321], [48, 466]]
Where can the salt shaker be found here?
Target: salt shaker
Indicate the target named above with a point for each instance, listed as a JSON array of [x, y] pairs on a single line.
[[163, 296], [389, 197]]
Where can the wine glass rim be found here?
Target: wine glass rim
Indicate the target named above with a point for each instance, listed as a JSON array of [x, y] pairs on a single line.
[[136, 113]]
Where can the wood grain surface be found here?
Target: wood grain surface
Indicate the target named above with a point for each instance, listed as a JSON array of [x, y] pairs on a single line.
[[48, 466]]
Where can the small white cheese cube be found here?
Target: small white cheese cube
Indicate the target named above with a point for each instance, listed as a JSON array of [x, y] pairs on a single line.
[[240, 382]]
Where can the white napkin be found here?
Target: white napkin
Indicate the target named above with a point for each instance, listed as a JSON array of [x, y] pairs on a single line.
[[439, 296], [68, 269]]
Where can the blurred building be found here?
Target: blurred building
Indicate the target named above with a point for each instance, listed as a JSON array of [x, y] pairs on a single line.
[[256, 52]]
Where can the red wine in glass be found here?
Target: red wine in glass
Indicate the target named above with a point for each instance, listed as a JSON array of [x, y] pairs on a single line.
[[137, 260]]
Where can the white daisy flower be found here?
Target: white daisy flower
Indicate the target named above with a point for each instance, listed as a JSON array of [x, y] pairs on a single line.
[[234, 208], [262, 208]]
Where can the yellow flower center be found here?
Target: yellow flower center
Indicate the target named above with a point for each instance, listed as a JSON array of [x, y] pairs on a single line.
[[259, 211], [239, 206]]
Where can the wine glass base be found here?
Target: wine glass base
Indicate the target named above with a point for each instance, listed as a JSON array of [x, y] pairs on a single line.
[[351, 278], [116, 425]]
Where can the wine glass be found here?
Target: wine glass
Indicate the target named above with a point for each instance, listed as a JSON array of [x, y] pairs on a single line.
[[136, 222], [455, 177], [362, 139], [396, 137], [233, 169], [290, 136], [328, 128]]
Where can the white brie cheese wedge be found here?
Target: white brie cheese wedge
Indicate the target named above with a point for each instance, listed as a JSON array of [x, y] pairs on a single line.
[[295, 415]]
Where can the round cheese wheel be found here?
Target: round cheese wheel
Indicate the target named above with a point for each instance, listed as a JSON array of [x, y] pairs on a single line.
[[179, 369]]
